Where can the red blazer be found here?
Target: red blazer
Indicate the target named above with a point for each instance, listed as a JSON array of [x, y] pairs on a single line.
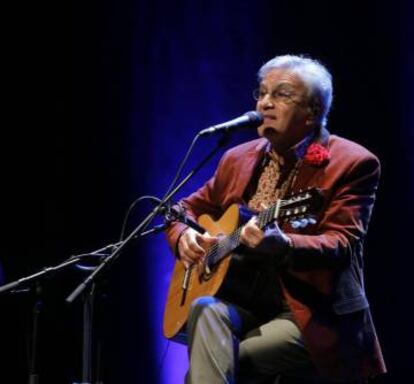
[[323, 284]]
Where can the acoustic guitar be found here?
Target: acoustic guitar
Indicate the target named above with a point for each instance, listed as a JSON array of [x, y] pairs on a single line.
[[206, 278]]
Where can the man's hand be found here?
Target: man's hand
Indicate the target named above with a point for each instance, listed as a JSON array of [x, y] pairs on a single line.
[[272, 240], [193, 246]]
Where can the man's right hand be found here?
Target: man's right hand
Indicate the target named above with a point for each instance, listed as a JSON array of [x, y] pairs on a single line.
[[193, 246]]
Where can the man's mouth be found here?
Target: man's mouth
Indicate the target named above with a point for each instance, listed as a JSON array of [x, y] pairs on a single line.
[[269, 131]]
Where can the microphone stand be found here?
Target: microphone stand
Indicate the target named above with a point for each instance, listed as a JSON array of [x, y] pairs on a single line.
[[34, 279], [45, 272], [34, 342], [88, 297]]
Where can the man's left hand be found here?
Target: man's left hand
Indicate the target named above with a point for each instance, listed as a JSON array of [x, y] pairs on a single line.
[[272, 240]]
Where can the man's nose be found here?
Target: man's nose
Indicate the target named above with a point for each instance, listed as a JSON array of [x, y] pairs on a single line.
[[266, 99], [267, 102]]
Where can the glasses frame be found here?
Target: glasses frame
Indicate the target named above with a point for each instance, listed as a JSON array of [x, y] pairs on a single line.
[[278, 95]]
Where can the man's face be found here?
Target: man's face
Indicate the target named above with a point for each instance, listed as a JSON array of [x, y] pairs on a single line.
[[282, 99]]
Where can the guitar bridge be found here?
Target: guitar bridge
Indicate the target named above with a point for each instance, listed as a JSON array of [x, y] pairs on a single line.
[[207, 272]]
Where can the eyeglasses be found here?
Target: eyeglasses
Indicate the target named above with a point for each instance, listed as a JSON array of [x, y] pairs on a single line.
[[277, 95]]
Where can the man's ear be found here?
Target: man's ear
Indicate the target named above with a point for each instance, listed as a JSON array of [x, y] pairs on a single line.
[[314, 111]]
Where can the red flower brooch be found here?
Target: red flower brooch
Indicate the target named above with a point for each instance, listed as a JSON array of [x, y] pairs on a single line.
[[316, 155]]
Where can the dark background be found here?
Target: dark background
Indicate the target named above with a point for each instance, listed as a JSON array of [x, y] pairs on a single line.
[[102, 98]]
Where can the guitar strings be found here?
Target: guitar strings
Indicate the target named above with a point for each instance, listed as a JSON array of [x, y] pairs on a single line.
[[264, 217]]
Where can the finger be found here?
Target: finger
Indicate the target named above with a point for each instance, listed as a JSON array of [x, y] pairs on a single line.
[[207, 244], [254, 223], [206, 239], [194, 247], [190, 249], [190, 257], [248, 238], [263, 206], [253, 231], [253, 241], [251, 235], [188, 262]]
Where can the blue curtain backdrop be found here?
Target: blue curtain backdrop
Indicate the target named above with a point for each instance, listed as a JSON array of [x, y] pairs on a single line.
[[105, 98]]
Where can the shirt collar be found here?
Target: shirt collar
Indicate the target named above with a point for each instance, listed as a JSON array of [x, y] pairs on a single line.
[[294, 153]]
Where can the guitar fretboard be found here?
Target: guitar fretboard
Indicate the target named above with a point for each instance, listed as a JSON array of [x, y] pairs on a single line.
[[296, 206], [230, 242]]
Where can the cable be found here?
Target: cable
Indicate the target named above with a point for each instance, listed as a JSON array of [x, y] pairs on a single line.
[[171, 186], [145, 197], [180, 168]]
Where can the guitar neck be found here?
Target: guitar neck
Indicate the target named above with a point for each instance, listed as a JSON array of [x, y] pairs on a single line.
[[230, 242], [296, 206]]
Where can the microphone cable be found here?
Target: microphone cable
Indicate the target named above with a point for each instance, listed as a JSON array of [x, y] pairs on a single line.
[[169, 189]]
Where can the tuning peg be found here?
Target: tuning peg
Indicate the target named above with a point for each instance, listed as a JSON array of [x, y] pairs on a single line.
[[302, 223], [299, 223]]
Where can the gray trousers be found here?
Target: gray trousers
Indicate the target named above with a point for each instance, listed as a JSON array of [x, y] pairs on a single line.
[[228, 344]]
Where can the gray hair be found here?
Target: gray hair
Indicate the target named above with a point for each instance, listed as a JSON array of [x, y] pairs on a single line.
[[316, 77]]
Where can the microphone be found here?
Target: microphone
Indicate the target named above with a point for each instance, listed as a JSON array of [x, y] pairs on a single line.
[[250, 119]]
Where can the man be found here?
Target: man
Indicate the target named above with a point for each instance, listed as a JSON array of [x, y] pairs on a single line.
[[308, 315]]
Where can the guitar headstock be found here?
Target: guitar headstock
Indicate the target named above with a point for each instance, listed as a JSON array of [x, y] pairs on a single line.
[[300, 208]]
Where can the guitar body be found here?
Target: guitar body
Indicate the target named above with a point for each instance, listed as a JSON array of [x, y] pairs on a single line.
[[244, 277], [199, 284]]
